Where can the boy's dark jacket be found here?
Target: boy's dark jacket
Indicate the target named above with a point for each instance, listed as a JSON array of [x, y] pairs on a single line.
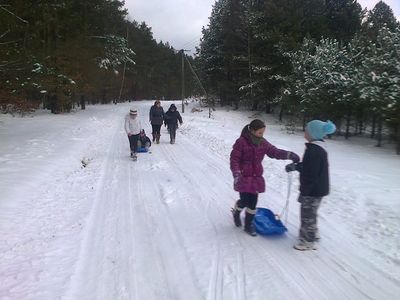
[[314, 170], [144, 139], [172, 117]]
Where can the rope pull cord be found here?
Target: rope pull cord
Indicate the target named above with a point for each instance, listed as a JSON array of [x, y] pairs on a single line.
[[285, 211]]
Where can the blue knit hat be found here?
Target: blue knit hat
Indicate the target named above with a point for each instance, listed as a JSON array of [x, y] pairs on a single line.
[[317, 129]]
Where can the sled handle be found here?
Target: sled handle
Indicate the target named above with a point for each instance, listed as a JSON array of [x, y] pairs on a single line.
[[285, 211]]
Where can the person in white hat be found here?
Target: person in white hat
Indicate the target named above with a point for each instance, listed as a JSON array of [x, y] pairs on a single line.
[[133, 128]]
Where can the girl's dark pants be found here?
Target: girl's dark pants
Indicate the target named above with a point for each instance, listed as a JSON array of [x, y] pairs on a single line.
[[156, 129], [248, 200], [133, 142]]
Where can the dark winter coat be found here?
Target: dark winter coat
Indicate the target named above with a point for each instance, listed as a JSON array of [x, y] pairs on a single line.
[[156, 115], [172, 116], [144, 139], [246, 162], [314, 170]]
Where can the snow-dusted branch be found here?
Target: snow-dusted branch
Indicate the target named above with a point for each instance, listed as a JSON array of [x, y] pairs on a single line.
[[11, 13]]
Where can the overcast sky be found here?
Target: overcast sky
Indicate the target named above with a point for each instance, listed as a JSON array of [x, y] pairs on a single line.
[[179, 22]]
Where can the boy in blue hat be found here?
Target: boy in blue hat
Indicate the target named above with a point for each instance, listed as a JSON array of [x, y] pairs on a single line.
[[314, 181]]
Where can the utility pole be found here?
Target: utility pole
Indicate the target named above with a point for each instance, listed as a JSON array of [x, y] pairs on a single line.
[[201, 86], [123, 74], [183, 77]]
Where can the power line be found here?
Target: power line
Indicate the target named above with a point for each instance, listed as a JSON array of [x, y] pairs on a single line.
[[193, 41]]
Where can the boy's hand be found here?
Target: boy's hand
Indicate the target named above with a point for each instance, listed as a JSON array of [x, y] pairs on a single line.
[[291, 167]]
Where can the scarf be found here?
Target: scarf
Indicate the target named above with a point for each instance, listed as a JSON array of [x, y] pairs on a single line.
[[255, 140]]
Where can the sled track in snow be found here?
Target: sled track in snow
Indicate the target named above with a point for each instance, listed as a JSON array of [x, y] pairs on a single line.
[[205, 204]]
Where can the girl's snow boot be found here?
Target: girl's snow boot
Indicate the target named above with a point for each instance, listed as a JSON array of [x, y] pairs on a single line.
[[236, 216], [248, 224]]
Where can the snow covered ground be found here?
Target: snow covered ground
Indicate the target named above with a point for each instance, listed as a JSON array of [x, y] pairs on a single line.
[[160, 228]]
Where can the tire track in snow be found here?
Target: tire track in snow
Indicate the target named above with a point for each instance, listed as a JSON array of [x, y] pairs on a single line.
[[216, 282], [172, 276], [88, 271]]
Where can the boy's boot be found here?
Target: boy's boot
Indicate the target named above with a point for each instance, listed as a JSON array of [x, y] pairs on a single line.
[[158, 138], [236, 215], [134, 156], [248, 222], [154, 137], [317, 236], [303, 245]]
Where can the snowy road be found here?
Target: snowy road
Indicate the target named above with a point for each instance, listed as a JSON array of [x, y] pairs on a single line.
[[159, 228]]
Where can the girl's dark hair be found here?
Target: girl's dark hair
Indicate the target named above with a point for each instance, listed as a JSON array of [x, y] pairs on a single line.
[[256, 124]]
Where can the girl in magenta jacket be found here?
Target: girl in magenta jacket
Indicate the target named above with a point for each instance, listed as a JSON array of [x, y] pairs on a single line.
[[246, 166]]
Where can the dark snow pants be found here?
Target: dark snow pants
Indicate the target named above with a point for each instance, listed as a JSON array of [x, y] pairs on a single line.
[[172, 131], [308, 217], [248, 200], [133, 142], [156, 129]]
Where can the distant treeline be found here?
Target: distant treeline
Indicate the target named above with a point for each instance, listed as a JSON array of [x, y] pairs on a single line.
[[305, 59], [69, 52]]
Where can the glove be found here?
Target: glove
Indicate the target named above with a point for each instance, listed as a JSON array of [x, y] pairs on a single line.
[[236, 178], [294, 157], [291, 167]]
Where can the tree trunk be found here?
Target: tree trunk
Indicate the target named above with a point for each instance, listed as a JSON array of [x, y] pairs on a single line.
[[379, 133], [373, 126], [281, 113], [267, 107], [360, 126], [53, 104], [348, 118], [82, 102], [398, 139], [254, 105]]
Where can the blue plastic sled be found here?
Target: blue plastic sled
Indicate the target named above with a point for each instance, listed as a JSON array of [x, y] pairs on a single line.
[[266, 222], [142, 150]]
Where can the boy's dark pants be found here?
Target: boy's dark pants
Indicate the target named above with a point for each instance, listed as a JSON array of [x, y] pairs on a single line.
[[308, 217], [133, 142], [172, 131]]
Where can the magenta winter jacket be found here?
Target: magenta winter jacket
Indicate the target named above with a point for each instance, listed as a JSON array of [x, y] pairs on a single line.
[[246, 162]]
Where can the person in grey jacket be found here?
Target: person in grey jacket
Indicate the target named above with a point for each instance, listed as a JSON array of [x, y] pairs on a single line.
[[156, 117], [133, 128]]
